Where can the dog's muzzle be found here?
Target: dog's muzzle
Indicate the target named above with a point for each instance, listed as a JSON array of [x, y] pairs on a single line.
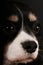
[[24, 48]]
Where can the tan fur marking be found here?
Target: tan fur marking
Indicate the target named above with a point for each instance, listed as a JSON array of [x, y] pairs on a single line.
[[13, 18], [32, 17]]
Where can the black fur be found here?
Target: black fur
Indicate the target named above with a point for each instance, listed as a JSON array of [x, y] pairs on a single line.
[[5, 37]]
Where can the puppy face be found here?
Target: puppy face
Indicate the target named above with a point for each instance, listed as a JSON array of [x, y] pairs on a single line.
[[20, 44]]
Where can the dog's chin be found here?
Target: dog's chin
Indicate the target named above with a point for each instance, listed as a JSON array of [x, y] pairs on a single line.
[[22, 61], [27, 61]]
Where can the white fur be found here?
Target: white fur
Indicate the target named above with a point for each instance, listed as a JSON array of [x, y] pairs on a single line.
[[16, 52]]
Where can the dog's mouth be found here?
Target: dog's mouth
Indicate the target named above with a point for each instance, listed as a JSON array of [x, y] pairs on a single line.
[[25, 60], [19, 62]]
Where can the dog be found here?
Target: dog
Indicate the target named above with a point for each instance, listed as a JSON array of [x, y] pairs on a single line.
[[19, 29]]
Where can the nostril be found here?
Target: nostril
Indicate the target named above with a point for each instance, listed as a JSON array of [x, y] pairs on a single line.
[[29, 46]]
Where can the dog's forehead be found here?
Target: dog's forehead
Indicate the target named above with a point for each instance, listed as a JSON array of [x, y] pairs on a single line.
[[14, 9]]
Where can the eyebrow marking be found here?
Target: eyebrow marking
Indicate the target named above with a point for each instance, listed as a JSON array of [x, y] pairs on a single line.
[[13, 18], [32, 17]]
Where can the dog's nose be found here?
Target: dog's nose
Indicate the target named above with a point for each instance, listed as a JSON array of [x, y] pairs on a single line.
[[29, 46]]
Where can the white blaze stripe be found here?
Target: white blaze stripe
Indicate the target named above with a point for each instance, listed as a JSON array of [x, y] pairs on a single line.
[[15, 50]]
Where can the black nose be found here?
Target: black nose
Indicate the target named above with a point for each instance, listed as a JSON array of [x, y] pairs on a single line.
[[29, 46]]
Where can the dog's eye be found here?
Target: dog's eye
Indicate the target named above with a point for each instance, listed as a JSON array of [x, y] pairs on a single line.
[[36, 28], [13, 18], [9, 29]]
